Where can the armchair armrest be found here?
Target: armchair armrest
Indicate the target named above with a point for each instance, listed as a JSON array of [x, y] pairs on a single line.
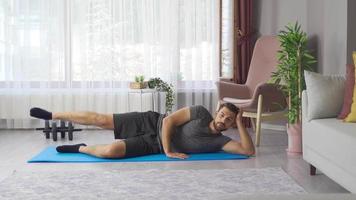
[[232, 90], [273, 98]]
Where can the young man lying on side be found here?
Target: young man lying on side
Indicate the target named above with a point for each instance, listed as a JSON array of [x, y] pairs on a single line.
[[188, 130]]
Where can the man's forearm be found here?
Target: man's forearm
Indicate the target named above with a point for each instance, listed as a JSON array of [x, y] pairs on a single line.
[[166, 135], [245, 138]]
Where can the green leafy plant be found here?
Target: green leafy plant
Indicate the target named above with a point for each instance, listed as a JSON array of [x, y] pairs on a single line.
[[160, 85], [139, 79], [294, 58]]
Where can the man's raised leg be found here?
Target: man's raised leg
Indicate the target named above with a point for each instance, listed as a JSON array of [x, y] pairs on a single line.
[[105, 121]]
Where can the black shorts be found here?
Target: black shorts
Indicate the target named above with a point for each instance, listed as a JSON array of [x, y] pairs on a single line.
[[139, 131]]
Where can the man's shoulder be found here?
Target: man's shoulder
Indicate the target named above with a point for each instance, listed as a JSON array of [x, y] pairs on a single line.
[[199, 108], [199, 112]]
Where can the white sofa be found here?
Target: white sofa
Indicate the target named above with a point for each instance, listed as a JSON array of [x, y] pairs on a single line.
[[330, 146]]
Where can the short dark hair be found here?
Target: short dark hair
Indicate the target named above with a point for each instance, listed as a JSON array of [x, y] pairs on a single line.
[[231, 107]]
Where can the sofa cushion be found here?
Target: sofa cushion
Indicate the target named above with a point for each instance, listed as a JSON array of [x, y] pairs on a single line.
[[324, 94], [348, 92]]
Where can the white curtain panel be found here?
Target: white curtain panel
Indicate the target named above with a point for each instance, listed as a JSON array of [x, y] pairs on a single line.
[[72, 55]]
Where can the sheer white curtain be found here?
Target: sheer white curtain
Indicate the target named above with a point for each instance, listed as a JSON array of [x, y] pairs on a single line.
[[81, 54], [31, 57], [199, 50]]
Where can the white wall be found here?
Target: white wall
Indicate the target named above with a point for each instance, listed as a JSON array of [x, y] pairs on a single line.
[[351, 29], [272, 15], [327, 22], [328, 25]]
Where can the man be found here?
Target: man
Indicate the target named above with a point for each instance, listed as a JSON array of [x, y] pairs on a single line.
[[188, 130]]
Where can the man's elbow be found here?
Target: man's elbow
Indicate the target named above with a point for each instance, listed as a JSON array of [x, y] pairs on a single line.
[[166, 121]]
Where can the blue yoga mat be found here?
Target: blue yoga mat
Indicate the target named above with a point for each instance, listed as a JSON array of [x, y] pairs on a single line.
[[51, 155]]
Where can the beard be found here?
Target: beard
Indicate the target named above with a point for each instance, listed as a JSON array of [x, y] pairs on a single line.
[[219, 126]]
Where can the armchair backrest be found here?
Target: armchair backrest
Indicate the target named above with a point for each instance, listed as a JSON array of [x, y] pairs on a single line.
[[263, 62]]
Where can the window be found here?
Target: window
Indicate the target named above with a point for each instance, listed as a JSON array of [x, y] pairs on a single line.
[[227, 34], [96, 40], [31, 41]]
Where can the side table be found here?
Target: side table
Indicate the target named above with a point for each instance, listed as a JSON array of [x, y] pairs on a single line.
[[141, 92]]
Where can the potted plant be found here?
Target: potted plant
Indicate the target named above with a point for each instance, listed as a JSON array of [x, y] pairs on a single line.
[[160, 85], [294, 58], [139, 83]]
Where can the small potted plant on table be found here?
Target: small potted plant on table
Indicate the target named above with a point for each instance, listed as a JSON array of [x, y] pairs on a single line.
[[139, 83]]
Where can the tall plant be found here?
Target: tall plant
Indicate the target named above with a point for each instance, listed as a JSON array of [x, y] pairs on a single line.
[[294, 58]]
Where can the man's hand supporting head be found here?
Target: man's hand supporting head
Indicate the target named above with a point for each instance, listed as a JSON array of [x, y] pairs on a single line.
[[245, 146]]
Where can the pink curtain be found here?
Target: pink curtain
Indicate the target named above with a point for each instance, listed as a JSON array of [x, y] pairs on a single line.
[[243, 39]]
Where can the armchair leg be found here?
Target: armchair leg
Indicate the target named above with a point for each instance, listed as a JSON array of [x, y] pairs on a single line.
[[258, 120]]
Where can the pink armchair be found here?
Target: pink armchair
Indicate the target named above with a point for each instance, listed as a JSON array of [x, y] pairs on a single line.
[[258, 99]]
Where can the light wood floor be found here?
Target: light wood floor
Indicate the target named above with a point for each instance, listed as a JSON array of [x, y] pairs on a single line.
[[17, 146]]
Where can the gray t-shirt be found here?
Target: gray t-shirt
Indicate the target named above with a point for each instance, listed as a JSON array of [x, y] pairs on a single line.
[[195, 135]]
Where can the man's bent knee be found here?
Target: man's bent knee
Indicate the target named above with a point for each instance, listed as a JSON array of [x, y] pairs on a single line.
[[114, 150]]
